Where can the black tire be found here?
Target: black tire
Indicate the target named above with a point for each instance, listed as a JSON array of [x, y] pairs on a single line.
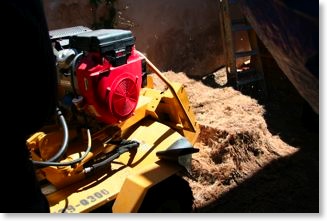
[[173, 195]]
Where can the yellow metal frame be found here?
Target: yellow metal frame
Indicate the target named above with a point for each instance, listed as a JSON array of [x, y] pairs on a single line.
[[136, 186], [128, 179], [160, 119]]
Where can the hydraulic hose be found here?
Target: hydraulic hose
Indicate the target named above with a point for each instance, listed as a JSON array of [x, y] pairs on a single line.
[[126, 146], [73, 67], [64, 145], [69, 163]]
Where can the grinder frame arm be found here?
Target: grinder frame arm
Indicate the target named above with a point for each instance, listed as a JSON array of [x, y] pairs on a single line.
[[172, 90]]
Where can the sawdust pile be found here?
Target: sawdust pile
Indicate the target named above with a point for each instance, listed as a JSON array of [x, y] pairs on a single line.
[[234, 141]]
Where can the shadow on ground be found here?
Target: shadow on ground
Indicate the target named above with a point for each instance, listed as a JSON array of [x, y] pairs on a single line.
[[287, 185]]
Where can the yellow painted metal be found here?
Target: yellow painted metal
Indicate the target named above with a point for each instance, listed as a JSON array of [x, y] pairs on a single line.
[[136, 186], [178, 120], [93, 192], [160, 118], [181, 109]]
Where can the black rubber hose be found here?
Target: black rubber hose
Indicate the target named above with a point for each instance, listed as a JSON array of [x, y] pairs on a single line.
[[73, 67], [48, 163], [64, 145], [120, 151]]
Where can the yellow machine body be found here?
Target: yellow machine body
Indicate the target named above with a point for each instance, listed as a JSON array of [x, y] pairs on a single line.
[[160, 119]]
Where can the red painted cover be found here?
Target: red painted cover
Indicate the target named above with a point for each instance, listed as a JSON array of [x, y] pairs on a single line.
[[111, 93]]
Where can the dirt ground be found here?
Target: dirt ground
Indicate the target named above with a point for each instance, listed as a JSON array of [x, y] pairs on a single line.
[[256, 155]]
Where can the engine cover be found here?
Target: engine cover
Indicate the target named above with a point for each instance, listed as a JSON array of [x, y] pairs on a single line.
[[111, 92]]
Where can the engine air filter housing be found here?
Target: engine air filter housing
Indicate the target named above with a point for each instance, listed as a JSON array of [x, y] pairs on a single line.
[[115, 44]]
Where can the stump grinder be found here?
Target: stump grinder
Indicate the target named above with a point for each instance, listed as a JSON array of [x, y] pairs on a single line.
[[116, 143]]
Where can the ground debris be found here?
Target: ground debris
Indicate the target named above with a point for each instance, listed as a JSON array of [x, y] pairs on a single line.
[[234, 141]]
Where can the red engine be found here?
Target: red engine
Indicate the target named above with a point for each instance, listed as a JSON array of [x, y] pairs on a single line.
[[109, 73], [111, 93]]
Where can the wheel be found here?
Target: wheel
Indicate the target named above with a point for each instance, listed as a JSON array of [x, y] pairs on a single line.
[[173, 195]]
